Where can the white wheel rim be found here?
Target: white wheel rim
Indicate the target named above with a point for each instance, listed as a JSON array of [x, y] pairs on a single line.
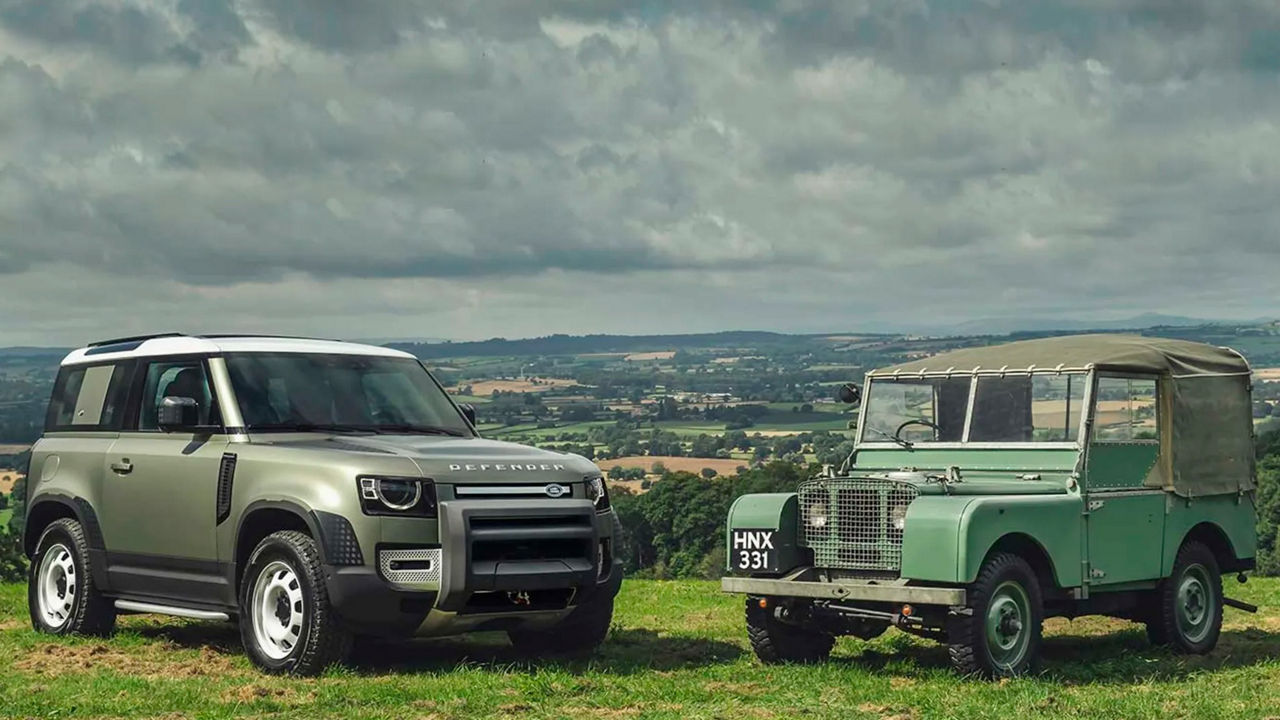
[[57, 584], [277, 610]]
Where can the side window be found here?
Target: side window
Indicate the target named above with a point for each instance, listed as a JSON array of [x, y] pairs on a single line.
[[1125, 411], [88, 397], [176, 378]]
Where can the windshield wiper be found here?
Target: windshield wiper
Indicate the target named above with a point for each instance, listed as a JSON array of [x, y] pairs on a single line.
[[904, 443], [414, 429]]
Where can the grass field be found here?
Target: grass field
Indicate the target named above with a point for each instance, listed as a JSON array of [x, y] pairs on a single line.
[[677, 650], [4, 517]]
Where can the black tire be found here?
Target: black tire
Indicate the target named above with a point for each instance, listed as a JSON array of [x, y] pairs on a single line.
[[75, 606], [285, 572], [777, 642], [1188, 612], [1001, 634], [581, 631]]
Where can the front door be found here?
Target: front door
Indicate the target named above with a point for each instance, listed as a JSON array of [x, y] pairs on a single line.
[[1125, 514], [159, 492]]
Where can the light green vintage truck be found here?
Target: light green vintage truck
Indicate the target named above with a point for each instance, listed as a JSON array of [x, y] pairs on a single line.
[[993, 487]]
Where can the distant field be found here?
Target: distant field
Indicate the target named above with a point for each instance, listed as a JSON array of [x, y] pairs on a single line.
[[482, 388], [1269, 374], [661, 355], [8, 477], [13, 449], [686, 464]]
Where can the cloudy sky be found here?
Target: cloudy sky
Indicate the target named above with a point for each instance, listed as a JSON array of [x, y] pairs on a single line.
[[515, 168]]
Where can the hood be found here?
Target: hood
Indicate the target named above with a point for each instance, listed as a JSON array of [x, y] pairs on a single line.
[[978, 483], [453, 459]]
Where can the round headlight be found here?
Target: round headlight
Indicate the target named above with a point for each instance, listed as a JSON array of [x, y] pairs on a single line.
[[398, 493], [898, 517]]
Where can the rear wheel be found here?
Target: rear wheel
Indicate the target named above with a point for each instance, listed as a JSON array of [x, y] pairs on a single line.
[[777, 642], [286, 620], [1000, 635], [61, 596], [1188, 614]]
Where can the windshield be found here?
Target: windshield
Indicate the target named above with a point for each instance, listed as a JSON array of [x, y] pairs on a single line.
[[916, 410], [1011, 409], [300, 391]]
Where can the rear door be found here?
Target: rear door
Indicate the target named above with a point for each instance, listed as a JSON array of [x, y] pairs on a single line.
[[160, 490], [1125, 517]]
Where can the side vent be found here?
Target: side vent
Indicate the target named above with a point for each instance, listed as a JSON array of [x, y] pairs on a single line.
[[226, 475]]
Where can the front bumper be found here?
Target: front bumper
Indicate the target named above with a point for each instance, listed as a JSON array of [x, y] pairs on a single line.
[[490, 573], [845, 590]]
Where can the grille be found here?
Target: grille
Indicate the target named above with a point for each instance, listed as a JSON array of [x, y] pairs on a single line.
[[418, 567], [849, 523]]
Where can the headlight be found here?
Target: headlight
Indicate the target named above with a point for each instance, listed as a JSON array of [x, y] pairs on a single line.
[[397, 496], [898, 517], [598, 493]]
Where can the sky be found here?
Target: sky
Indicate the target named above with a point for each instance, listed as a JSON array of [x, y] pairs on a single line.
[[514, 168]]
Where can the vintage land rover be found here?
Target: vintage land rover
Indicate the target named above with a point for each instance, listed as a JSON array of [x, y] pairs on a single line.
[[993, 487], [314, 490]]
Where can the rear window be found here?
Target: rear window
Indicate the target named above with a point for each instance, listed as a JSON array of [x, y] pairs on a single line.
[[88, 397]]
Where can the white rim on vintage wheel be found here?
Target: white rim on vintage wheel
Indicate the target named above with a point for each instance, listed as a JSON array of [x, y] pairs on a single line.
[[277, 610], [57, 586]]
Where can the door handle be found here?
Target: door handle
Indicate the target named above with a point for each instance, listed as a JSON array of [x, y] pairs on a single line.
[[124, 467]]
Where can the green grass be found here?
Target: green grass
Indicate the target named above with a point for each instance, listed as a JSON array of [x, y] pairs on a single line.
[[677, 650], [4, 517]]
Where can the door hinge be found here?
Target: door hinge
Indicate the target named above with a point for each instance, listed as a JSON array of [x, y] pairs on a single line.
[[1097, 574], [1096, 504]]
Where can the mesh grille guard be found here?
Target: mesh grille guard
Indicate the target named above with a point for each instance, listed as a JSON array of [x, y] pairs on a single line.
[[849, 523]]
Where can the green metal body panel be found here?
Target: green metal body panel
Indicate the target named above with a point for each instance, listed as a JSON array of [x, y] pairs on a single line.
[[768, 511], [1125, 536], [1002, 461], [1234, 515], [1120, 465]]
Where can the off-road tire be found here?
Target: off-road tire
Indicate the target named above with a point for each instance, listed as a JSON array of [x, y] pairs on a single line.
[[969, 644], [321, 641], [581, 631], [1195, 566], [90, 613], [777, 642]]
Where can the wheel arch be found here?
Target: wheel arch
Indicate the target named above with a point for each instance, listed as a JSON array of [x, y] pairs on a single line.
[[262, 518], [1219, 543], [49, 508], [1028, 548]]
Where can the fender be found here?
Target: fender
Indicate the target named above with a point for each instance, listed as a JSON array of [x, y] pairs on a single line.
[[778, 512], [947, 537], [1232, 517], [62, 505]]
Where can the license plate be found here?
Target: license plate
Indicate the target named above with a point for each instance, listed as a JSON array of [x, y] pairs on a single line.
[[753, 550]]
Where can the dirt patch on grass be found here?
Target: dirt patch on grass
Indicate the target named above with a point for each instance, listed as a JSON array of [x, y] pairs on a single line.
[[53, 660], [13, 624], [255, 691]]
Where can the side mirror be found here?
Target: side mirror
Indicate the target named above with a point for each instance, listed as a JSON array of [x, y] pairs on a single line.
[[469, 412], [849, 394], [178, 413]]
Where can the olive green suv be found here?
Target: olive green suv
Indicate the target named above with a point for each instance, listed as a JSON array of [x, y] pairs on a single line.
[[991, 488], [314, 490]]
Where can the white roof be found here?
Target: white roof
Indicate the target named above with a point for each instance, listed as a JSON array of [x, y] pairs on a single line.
[[189, 345]]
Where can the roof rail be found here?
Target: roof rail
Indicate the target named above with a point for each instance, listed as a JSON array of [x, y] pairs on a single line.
[[135, 338], [217, 336]]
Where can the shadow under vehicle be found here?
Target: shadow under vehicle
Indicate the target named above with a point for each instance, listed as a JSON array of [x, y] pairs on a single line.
[[993, 487]]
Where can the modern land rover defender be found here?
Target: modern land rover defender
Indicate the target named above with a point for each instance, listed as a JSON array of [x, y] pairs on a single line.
[[993, 487], [314, 490]]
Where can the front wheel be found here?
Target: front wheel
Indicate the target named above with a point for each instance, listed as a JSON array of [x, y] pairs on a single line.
[[999, 634], [1188, 612], [286, 620], [777, 642]]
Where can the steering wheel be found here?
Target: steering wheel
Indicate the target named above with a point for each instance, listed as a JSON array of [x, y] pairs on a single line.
[[936, 428]]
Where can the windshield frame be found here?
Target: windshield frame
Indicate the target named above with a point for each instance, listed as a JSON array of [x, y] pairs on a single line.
[[466, 429], [870, 440]]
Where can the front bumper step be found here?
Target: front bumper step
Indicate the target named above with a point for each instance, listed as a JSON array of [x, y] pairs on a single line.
[[845, 590]]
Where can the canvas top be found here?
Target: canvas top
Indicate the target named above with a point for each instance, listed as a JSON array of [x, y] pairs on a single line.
[[1125, 353]]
